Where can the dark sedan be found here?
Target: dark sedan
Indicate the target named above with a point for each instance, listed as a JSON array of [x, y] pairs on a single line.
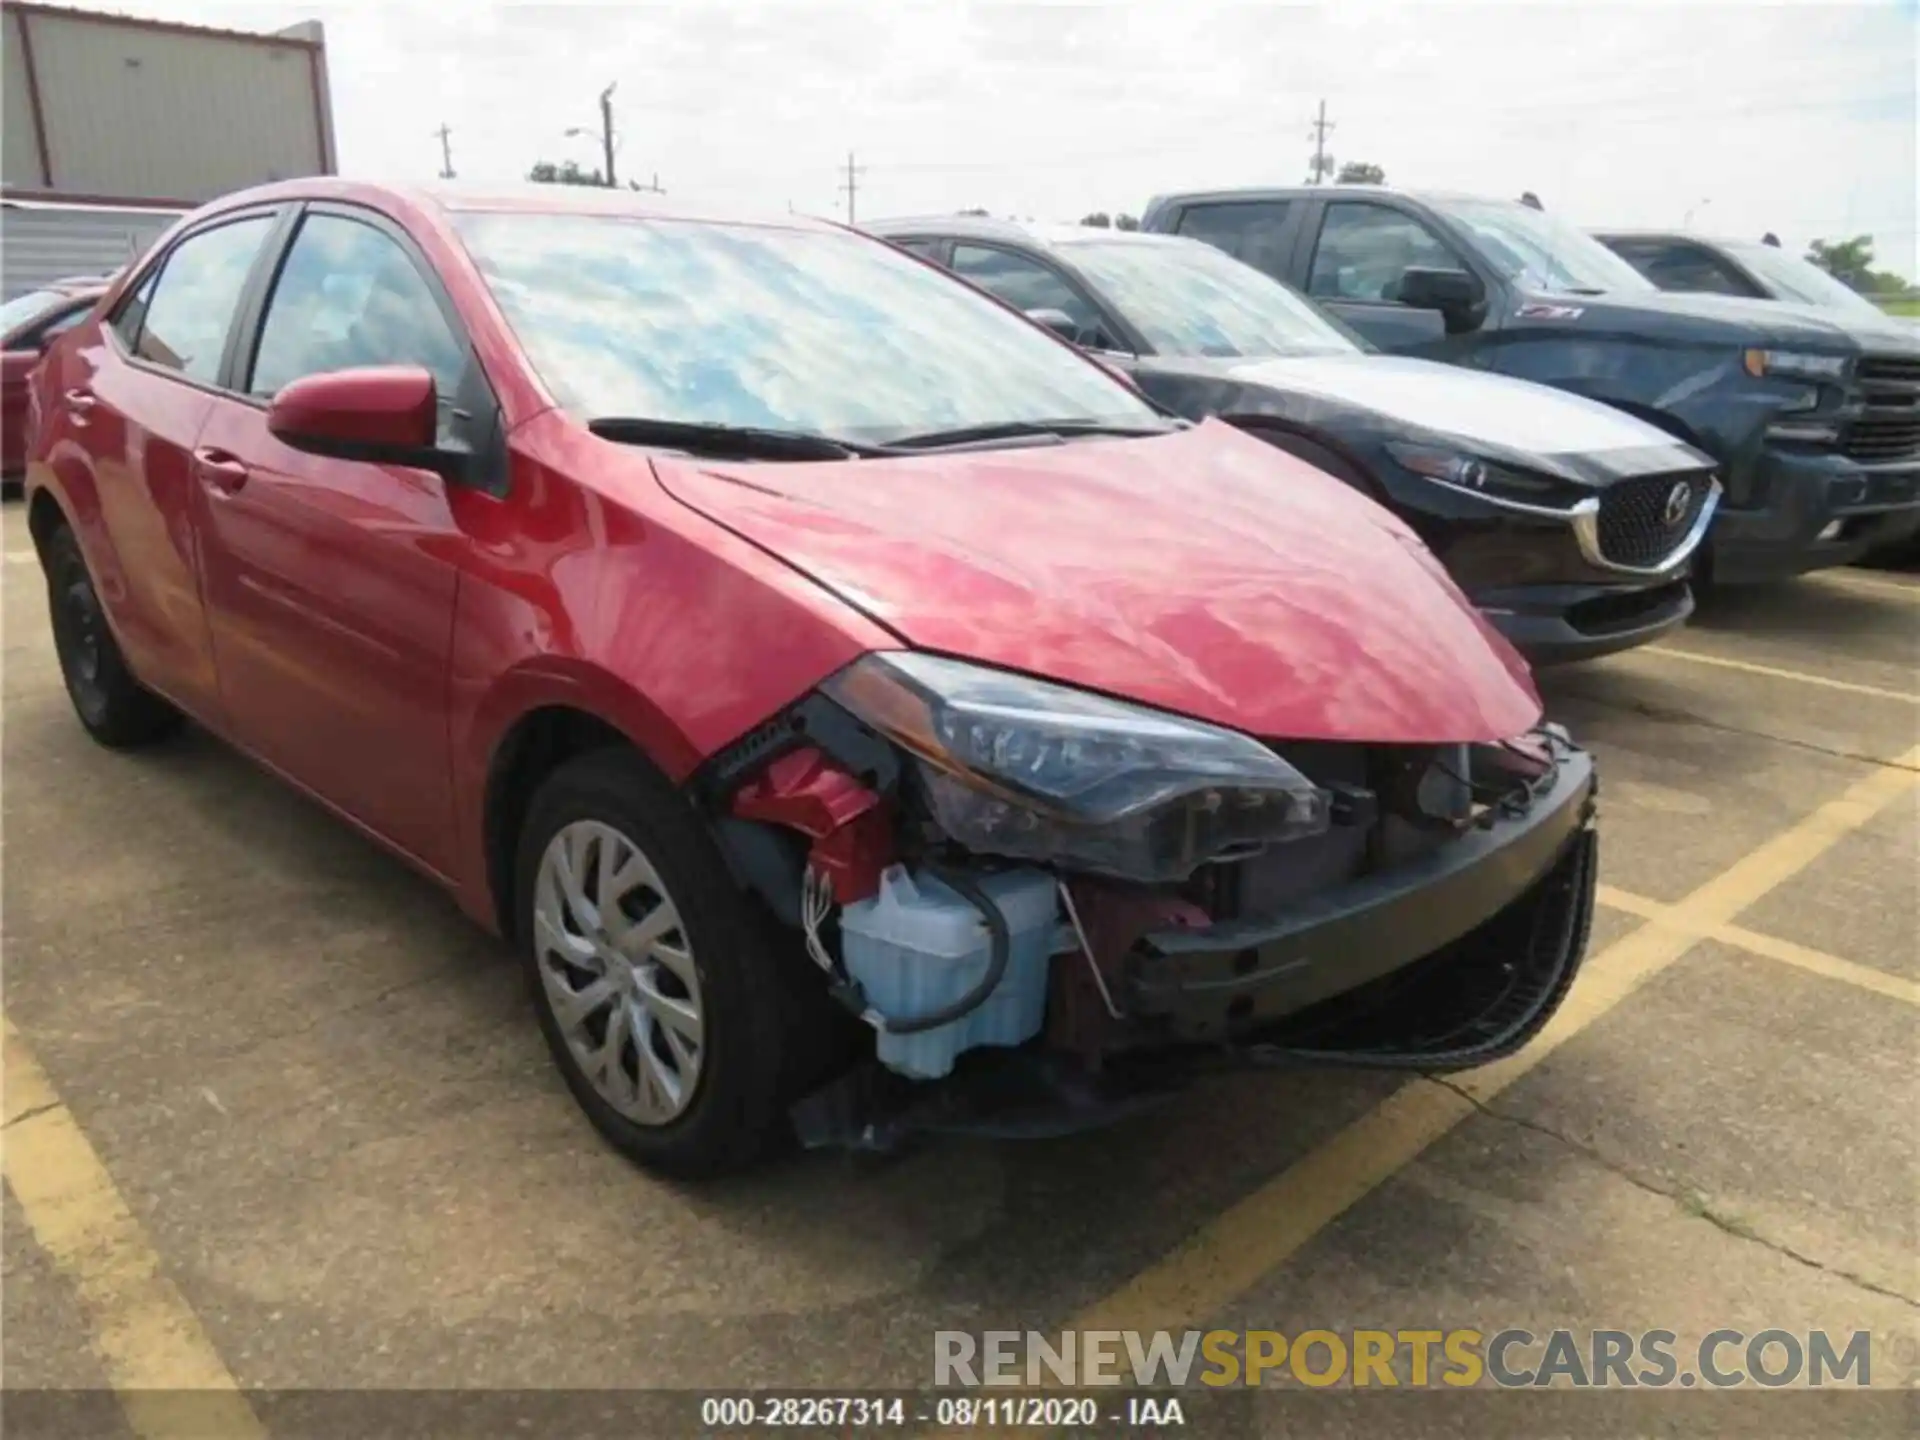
[[1569, 523]]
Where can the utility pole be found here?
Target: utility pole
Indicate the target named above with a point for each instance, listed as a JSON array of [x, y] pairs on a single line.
[[851, 184], [445, 132], [606, 130], [606, 134], [1322, 162]]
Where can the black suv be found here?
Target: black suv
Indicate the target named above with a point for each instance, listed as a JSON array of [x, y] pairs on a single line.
[[1814, 415], [1570, 524]]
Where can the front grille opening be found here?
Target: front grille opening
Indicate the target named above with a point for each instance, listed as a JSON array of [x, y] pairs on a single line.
[[1901, 369], [1644, 520], [1628, 610], [1872, 438], [1481, 997], [1889, 424]]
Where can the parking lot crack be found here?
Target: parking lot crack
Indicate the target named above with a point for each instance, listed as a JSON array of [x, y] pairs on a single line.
[[29, 1113], [379, 997], [1690, 1202], [1665, 715]]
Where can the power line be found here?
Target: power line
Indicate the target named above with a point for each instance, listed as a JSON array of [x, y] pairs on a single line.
[[1662, 114], [851, 185], [1322, 162], [445, 132]]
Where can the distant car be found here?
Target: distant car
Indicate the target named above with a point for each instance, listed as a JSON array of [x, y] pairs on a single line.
[[1696, 265], [862, 710], [1568, 523], [28, 324], [1810, 412]]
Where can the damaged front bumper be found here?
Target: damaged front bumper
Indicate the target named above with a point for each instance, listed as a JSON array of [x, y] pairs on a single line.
[[1445, 963]]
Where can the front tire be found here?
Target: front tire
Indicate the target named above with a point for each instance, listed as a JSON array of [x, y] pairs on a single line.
[[117, 710], [655, 979]]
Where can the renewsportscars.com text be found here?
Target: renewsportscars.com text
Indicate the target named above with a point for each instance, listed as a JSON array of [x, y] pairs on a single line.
[[1509, 1358]]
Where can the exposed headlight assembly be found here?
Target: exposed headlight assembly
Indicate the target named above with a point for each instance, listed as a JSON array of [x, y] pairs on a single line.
[[1794, 365], [1022, 768]]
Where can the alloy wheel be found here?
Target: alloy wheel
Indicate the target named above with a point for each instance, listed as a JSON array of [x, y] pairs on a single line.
[[618, 972]]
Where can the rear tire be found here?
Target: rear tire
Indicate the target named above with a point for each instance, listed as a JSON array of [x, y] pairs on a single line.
[[663, 991], [117, 710]]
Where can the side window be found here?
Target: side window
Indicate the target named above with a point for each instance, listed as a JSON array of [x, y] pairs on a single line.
[[1364, 249], [133, 310], [1252, 231], [1027, 285], [1690, 268], [348, 296], [926, 249], [185, 313]]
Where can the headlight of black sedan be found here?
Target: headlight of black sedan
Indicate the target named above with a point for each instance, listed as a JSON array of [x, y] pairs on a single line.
[[1464, 471]]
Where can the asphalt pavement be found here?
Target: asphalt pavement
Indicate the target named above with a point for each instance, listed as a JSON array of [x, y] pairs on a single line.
[[278, 1118]]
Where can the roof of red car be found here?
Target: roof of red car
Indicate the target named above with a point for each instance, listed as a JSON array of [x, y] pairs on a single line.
[[526, 198]]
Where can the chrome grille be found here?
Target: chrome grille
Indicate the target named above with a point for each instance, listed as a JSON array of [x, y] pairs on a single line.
[[1643, 520], [1898, 368], [1888, 426]]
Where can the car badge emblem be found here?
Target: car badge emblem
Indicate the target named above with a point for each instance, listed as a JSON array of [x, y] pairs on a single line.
[[1678, 500]]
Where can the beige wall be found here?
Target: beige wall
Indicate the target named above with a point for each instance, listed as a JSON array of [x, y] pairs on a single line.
[[137, 112]]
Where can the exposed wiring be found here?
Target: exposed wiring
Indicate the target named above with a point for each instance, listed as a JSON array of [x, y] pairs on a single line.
[[1515, 800], [1080, 934], [816, 905]]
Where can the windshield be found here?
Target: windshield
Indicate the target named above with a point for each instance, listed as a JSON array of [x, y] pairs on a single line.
[[24, 308], [789, 329], [1189, 298], [1538, 252], [1791, 278]]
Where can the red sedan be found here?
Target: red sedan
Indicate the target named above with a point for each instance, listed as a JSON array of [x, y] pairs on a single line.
[[29, 323], [863, 711]]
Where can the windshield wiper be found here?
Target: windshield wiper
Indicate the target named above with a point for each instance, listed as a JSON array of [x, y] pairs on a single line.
[[1022, 429], [746, 442]]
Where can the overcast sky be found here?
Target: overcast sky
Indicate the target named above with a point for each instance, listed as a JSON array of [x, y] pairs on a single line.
[[1745, 116]]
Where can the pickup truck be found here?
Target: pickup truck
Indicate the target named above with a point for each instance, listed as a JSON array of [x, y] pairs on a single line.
[[1700, 265], [1812, 415]]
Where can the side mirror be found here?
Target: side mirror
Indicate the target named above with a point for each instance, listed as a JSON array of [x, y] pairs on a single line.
[[1058, 321], [1456, 294], [386, 415]]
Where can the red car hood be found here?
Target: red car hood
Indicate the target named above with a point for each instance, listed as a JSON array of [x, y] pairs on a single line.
[[1203, 572]]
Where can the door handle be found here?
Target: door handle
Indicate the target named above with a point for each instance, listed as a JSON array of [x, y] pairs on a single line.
[[220, 470], [79, 403]]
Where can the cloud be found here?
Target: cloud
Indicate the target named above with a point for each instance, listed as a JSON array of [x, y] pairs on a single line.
[[1794, 118]]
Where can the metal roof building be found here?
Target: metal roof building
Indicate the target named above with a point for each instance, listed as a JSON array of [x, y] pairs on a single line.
[[112, 125], [109, 109]]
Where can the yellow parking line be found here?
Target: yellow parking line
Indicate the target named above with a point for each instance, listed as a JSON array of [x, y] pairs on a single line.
[[1787, 952], [148, 1338], [1867, 586], [1774, 672], [1229, 1255]]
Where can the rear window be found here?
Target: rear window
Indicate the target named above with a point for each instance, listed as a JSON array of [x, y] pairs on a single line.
[[1249, 230]]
